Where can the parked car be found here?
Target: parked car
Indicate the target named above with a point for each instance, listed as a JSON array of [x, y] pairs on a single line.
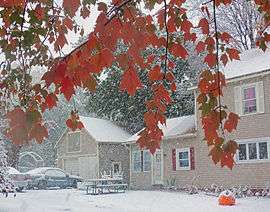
[[18, 179], [46, 177]]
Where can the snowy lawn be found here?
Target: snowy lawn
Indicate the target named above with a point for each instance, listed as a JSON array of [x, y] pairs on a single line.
[[131, 201]]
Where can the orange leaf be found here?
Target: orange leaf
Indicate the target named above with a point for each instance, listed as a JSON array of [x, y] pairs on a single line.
[[130, 81], [71, 6], [231, 123], [200, 47], [155, 74], [233, 54]]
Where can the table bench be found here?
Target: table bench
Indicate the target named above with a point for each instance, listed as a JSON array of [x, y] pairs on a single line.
[[102, 186]]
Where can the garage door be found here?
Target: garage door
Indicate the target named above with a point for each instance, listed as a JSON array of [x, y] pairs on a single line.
[[88, 167], [71, 166]]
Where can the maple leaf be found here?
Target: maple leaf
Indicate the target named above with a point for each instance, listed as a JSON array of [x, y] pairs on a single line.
[[67, 88], [155, 74], [38, 132], [186, 25], [71, 6], [216, 154], [227, 160], [130, 81], [210, 59], [224, 59], [233, 54], [200, 47], [204, 25], [179, 51], [231, 123], [51, 100], [169, 76]]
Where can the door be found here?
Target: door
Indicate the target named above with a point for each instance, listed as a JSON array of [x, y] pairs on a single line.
[[157, 170]]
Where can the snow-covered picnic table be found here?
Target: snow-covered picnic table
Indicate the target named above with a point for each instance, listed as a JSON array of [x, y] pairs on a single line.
[[101, 186]]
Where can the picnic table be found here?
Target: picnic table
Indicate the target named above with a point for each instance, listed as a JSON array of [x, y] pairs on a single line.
[[102, 186]]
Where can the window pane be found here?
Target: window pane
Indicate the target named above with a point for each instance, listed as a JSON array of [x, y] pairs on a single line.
[[249, 93], [146, 161], [250, 106], [183, 155], [263, 150], [252, 151], [184, 163], [242, 152], [137, 161]]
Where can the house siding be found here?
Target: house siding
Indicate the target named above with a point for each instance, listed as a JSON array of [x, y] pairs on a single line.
[[109, 153], [139, 180], [84, 162], [206, 172]]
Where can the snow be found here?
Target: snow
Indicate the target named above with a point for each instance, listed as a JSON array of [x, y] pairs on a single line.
[[40, 170], [174, 127], [12, 170], [103, 130], [131, 201], [251, 61]]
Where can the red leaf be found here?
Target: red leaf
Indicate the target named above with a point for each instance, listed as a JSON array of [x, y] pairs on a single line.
[[155, 74], [200, 47], [225, 37], [186, 25], [227, 160], [67, 88], [130, 81], [210, 59], [179, 51], [38, 132], [224, 59], [231, 123], [233, 54], [204, 25], [51, 100], [71, 6]]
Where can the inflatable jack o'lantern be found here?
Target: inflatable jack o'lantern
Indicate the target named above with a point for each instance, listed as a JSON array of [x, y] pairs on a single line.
[[226, 198]]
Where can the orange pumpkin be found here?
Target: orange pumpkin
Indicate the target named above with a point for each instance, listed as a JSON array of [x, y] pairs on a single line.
[[226, 198]]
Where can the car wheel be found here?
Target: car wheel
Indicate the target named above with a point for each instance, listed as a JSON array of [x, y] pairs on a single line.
[[42, 185], [74, 184]]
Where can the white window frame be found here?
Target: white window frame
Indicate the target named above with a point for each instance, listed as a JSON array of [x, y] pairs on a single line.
[[143, 162], [239, 98], [257, 141], [178, 159], [243, 87], [133, 152], [69, 133]]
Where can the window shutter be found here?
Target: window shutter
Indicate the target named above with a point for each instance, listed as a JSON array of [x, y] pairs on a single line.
[[238, 100], [192, 158], [174, 159], [260, 96], [141, 161]]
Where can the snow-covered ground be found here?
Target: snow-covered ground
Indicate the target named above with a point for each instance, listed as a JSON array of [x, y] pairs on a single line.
[[131, 201]]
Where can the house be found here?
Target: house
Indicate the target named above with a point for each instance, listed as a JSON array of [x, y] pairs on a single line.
[[183, 157], [94, 150]]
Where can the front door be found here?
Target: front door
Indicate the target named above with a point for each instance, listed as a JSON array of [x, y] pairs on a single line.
[[157, 168]]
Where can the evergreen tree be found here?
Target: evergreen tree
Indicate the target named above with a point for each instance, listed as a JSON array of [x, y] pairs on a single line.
[[110, 103]]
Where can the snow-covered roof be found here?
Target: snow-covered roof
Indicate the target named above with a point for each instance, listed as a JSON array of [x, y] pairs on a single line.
[[174, 127], [251, 61], [103, 130]]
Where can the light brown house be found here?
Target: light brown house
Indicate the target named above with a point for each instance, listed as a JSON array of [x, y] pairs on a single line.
[[95, 150], [183, 156]]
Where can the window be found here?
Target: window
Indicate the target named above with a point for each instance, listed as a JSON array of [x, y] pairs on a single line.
[[253, 151], [146, 161], [116, 166], [74, 142], [136, 161], [183, 159], [249, 100], [141, 161], [55, 173]]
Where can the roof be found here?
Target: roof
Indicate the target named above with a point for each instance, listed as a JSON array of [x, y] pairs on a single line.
[[251, 61], [174, 127], [103, 130]]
